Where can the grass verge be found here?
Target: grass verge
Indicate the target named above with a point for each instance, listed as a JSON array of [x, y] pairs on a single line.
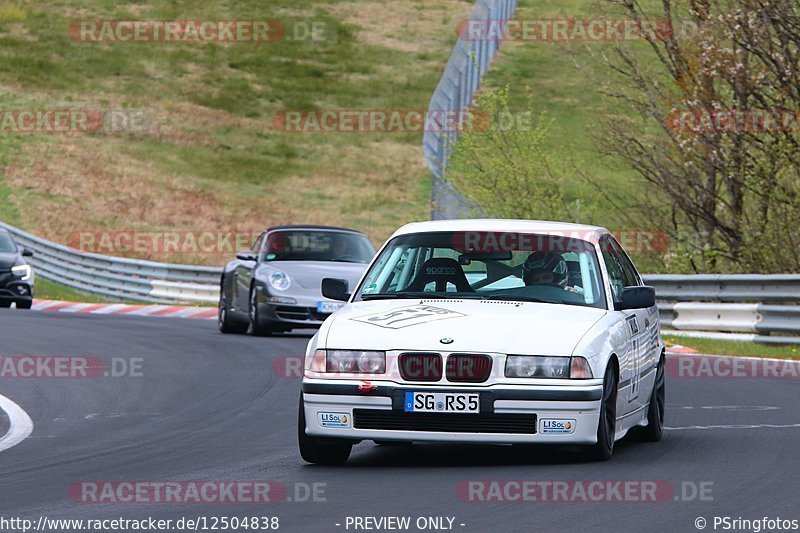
[[740, 349]]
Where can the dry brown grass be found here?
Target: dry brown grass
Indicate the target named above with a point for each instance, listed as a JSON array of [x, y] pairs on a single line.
[[66, 184], [410, 26]]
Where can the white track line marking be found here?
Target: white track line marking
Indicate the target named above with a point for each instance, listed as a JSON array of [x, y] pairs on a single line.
[[75, 308], [739, 426], [113, 308], [186, 313], [729, 407], [20, 424], [144, 311]]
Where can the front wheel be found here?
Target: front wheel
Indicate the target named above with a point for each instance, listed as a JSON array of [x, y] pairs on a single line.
[[224, 322], [313, 452], [255, 328], [24, 304], [654, 429], [607, 424]]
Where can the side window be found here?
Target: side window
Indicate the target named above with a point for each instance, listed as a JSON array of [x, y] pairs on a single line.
[[630, 275], [616, 274]]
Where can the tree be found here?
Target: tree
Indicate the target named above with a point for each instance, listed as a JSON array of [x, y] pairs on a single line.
[[503, 165], [718, 144]]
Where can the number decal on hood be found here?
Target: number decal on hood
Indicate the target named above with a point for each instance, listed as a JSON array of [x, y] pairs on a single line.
[[408, 316]]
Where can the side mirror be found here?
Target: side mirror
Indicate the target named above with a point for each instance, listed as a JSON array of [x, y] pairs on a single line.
[[246, 256], [335, 289], [637, 298], [27, 252]]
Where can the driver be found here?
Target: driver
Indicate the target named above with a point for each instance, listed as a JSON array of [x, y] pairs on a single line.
[[339, 248], [547, 268]]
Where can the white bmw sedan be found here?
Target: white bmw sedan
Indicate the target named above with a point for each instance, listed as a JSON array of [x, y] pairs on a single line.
[[487, 331]]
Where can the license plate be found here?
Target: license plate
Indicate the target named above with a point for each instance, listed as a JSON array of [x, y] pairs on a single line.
[[329, 307], [441, 402]]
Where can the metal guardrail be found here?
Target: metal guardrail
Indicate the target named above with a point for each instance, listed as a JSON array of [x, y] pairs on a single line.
[[116, 278], [461, 79], [702, 305], [688, 304], [726, 287]]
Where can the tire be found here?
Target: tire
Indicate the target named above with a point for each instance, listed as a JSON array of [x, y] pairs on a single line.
[[607, 423], [255, 328], [24, 304], [5, 304], [321, 454], [224, 322], [654, 429]]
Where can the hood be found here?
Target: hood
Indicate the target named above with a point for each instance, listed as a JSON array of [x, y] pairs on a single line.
[[474, 325], [7, 260], [309, 274]]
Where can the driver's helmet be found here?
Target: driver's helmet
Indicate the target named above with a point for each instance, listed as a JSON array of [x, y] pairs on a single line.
[[545, 268]]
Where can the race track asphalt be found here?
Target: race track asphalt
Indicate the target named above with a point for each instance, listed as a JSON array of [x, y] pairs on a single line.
[[207, 406]]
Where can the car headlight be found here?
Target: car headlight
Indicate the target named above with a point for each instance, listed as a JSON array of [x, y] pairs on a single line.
[[354, 361], [23, 271], [279, 281], [538, 366]]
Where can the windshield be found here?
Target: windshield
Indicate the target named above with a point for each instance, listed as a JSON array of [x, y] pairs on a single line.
[[507, 266], [309, 245], [7, 246]]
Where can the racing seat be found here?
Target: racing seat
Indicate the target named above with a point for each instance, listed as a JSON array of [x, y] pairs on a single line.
[[440, 271], [575, 277]]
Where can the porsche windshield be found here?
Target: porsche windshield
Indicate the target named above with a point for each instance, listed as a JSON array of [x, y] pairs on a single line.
[[486, 265], [317, 246]]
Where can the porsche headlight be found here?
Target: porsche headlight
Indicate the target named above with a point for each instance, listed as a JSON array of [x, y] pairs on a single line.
[[23, 271], [279, 281]]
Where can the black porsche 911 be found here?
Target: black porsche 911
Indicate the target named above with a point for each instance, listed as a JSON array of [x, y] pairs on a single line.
[[276, 286]]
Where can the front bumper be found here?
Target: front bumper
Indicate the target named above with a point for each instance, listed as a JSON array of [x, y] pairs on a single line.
[[508, 414], [12, 289], [300, 314]]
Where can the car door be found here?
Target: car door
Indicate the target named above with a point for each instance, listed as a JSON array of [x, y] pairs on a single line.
[[634, 330], [648, 326], [243, 275]]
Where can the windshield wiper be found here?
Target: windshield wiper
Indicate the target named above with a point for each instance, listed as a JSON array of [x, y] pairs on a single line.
[[392, 295], [512, 298], [424, 295]]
